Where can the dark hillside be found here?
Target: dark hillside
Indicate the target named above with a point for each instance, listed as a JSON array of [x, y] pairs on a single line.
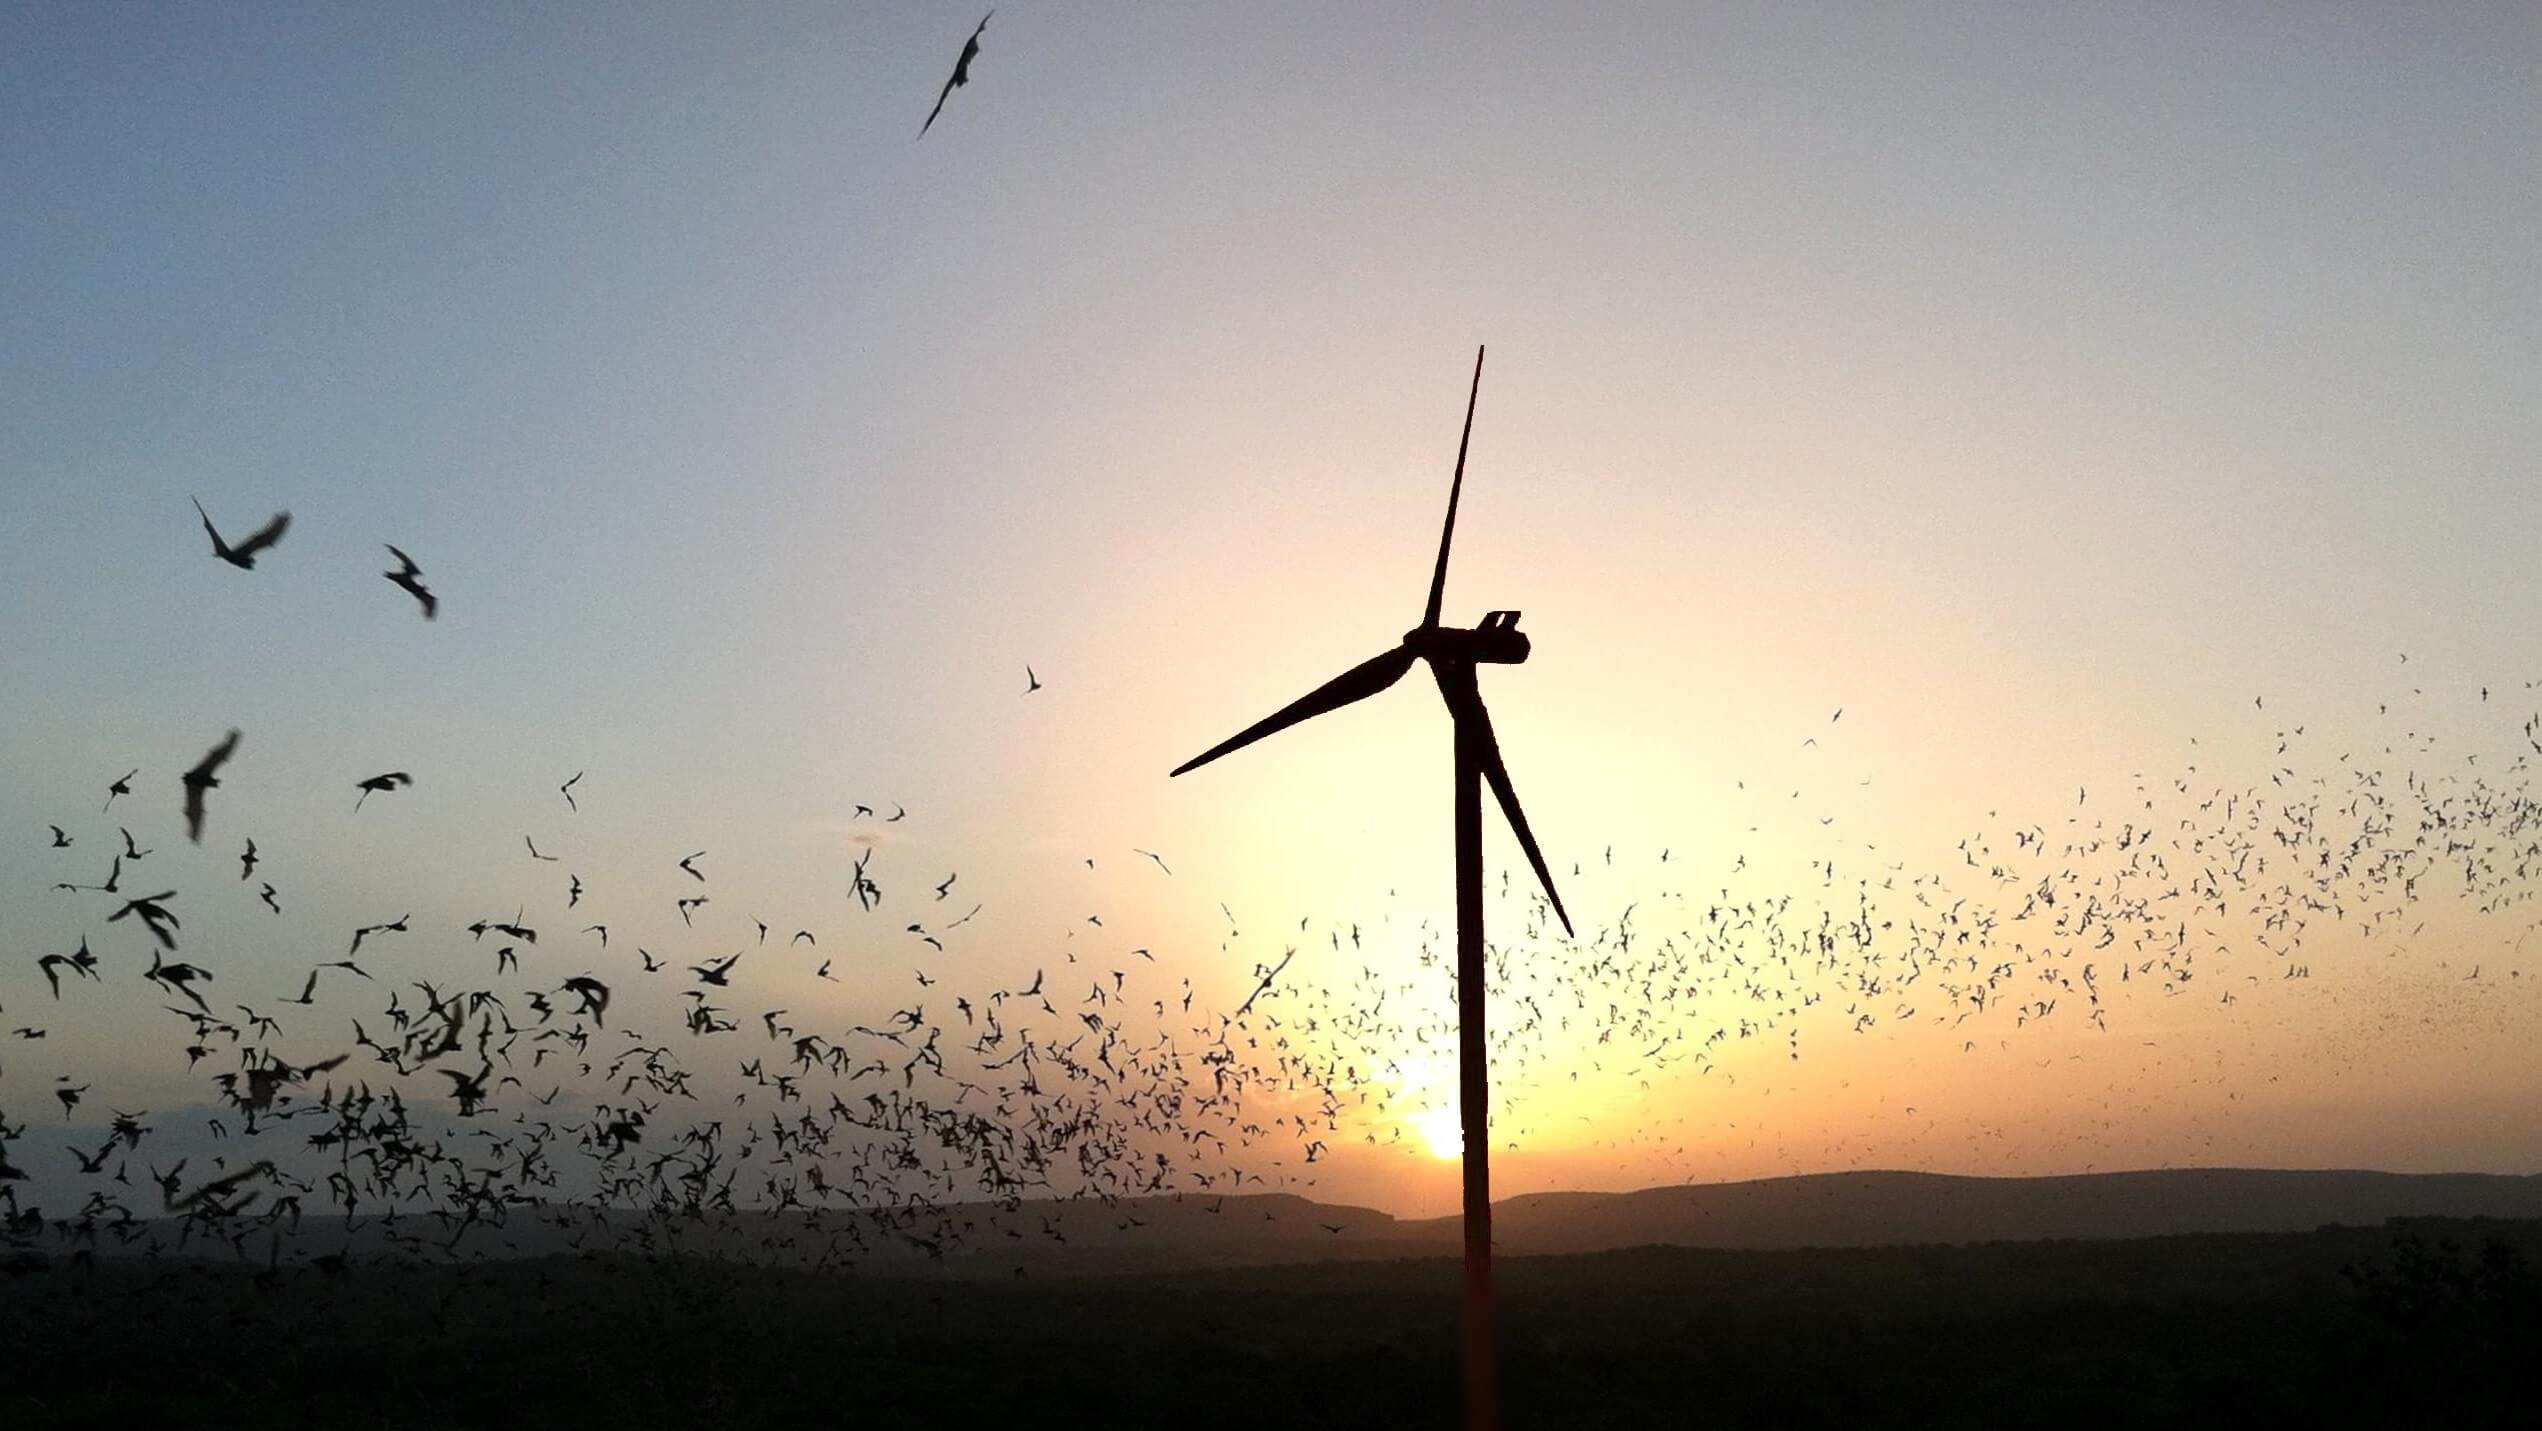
[[2410, 1324]]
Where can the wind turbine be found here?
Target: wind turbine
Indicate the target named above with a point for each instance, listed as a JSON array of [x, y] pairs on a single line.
[[1453, 653]]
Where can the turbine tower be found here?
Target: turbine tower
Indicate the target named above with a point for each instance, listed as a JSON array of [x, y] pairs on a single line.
[[1453, 653]]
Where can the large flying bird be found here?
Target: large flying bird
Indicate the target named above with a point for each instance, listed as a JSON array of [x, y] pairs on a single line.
[[205, 776], [243, 556], [409, 576], [961, 74], [393, 780]]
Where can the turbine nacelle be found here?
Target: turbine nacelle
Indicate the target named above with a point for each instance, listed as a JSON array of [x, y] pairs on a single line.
[[1497, 642]]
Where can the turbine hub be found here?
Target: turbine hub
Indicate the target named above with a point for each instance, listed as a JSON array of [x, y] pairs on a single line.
[[1497, 642]]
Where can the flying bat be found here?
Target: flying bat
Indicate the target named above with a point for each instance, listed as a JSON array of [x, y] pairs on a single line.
[[393, 780], [961, 77], [408, 575], [205, 776], [243, 556]]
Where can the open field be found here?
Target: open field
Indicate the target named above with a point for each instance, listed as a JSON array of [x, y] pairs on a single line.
[[2412, 1323]]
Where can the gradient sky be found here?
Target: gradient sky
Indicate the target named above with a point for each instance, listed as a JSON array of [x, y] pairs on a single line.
[[2040, 385]]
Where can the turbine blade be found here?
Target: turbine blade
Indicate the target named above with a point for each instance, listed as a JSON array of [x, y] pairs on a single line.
[[1356, 684], [1439, 578], [1498, 774]]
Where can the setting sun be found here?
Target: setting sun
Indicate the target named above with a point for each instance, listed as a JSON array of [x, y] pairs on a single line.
[[1439, 1132]]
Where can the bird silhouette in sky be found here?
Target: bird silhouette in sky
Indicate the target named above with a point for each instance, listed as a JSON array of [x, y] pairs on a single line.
[[205, 776], [178, 978], [567, 790], [114, 880], [469, 1091], [392, 780], [394, 926], [308, 991], [243, 556], [79, 961], [409, 576], [961, 74], [247, 862], [154, 914], [594, 996], [60, 840], [120, 787], [1032, 682]]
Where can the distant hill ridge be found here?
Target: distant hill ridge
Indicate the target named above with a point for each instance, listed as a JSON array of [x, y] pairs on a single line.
[[1870, 1209], [1200, 1231]]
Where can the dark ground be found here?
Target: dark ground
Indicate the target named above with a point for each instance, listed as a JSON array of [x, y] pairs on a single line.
[[2426, 1323]]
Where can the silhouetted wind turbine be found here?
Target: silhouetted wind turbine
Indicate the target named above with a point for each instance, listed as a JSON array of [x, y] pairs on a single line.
[[1453, 653]]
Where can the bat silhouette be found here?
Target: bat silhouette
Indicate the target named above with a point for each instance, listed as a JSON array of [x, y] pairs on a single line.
[[393, 780], [407, 575], [243, 556], [961, 77], [205, 776]]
